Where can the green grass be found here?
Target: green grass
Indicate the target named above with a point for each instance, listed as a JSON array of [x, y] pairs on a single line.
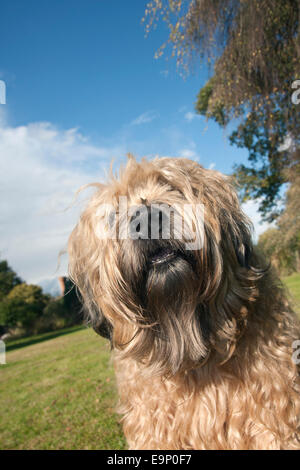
[[293, 284], [59, 393], [57, 390], [16, 343]]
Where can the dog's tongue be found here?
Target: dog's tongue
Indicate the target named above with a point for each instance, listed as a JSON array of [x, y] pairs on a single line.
[[162, 255]]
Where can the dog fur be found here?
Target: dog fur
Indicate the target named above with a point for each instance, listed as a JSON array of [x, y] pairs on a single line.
[[202, 343]]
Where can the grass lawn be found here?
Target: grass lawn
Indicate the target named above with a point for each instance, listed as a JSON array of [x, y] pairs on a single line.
[[57, 390], [59, 393], [293, 284]]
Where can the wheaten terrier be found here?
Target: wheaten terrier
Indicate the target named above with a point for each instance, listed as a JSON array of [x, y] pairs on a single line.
[[201, 329]]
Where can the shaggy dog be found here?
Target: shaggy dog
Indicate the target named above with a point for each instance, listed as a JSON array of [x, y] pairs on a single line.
[[202, 333]]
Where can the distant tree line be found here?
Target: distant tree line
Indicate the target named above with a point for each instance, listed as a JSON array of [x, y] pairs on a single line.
[[25, 309]]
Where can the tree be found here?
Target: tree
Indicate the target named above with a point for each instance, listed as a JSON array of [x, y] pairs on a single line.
[[15, 312], [289, 221], [55, 316], [253, 47], [63, 311], [30, 294], [270, 132], [281, 244], [269, 244], [8, 279], [22, 306]]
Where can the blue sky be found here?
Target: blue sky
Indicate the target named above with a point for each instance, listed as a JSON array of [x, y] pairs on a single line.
[[83, 87]]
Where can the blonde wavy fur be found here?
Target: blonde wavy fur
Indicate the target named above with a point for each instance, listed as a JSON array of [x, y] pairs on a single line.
[[202, 345]]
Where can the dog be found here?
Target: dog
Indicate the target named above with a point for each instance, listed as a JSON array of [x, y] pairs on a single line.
[[201, 329]]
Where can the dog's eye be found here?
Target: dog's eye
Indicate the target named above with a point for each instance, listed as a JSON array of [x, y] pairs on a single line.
[[196, 192]]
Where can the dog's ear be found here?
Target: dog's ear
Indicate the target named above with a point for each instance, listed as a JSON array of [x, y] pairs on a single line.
[[243, 251], [100, 324], [94, 315], [103, 327], [239, 236]]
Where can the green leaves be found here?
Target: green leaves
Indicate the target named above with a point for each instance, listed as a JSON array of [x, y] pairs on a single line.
[[23, 304], [206, 106]]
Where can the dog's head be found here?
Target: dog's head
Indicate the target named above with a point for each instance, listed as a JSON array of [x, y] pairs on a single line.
[[162, 257]]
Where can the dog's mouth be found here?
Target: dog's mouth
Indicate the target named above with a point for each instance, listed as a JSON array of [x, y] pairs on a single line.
[[163, 255]]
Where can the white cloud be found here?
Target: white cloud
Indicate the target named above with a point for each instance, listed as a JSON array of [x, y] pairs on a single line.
[[189, 116], [188, 153], [41, 168], [144, 118]]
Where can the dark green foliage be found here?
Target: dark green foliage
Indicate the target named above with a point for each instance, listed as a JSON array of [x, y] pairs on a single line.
[[22, 306], [26, 307], [8, 279], [14, 312]]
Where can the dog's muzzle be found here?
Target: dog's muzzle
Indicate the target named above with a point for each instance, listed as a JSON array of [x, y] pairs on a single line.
[[153, 231]]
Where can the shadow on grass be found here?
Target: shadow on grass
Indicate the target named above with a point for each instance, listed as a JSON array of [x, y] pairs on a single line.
[[22, 342]]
